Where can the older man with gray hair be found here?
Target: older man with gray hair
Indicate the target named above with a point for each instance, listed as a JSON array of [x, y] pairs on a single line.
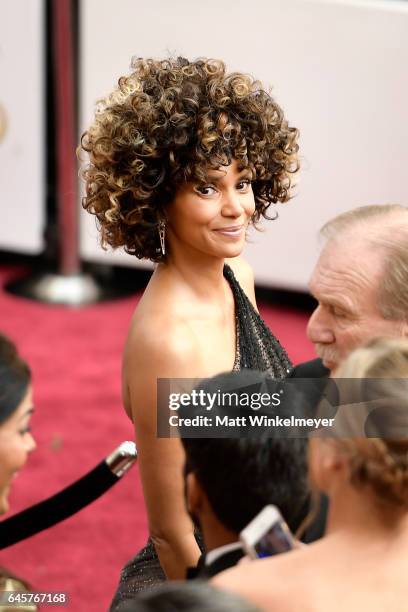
[[360, 281], [361, 285]]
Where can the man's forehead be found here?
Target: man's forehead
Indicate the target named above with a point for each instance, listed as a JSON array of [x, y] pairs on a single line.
[[346, 266], [353, 249]]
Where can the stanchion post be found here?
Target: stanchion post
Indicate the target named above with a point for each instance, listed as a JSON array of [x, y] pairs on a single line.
[[64, 82]]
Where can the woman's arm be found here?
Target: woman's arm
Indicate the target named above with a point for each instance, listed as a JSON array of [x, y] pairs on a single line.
[[147, 358]]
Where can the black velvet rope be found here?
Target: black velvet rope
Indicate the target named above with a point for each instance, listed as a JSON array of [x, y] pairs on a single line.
[[57, 508]]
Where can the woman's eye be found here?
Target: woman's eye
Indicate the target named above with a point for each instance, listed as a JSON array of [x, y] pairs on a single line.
[[205, 190], [25, 430], [244, 185]]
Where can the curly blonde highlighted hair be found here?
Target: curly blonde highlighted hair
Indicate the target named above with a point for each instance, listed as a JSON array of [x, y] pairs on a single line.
[[169, 122]]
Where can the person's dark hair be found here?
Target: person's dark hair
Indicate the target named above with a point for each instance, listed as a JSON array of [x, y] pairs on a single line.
[[15, 377], [168, 123], [194, 596], [241, 475]]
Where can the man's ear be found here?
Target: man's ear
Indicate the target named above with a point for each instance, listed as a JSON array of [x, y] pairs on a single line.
[[194, 494]]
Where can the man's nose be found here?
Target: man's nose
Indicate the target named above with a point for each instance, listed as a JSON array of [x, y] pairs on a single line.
[[319, 329]]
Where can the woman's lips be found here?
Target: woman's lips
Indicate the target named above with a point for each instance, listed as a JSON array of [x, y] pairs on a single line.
[[231, 232]]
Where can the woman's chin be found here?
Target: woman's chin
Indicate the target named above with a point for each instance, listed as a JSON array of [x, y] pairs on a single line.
[[232, 250]]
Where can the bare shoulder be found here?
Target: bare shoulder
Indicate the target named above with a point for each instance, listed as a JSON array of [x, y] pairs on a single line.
[[245, 276], [242, 270], [267, 582], [160, 343], [153, 350]]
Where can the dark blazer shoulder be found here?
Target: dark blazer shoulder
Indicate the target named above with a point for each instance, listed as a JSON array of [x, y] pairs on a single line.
[[309, 369]]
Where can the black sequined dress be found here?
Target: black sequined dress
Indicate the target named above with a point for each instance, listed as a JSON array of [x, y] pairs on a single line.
[[257, 349]]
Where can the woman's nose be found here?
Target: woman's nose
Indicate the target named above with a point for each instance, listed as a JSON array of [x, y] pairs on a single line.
[[30, 443], [232, 206]]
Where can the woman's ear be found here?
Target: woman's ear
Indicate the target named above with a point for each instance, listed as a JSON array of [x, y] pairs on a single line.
[[325, 459]]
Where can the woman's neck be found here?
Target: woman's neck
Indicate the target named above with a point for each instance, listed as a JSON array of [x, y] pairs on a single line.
[[362, 515], [202, 274]]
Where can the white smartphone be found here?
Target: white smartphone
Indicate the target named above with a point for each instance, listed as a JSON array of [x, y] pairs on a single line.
[[267, 534]]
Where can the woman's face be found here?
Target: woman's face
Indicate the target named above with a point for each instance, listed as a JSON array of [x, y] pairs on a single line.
[[16, 442], [212, 219]]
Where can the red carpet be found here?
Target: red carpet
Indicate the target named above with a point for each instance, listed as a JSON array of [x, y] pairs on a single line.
[[75, 357]]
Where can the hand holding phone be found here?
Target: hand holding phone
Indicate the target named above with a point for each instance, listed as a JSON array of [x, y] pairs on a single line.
[[267, 534]]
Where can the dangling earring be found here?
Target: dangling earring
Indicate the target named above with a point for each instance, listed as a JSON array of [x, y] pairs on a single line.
[[162, 236]]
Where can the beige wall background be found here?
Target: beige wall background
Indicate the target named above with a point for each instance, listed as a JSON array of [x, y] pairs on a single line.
[[339, 70], [22, 102]]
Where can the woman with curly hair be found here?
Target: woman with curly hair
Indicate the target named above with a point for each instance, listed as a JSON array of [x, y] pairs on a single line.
[[183, 157], [362, 465]]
